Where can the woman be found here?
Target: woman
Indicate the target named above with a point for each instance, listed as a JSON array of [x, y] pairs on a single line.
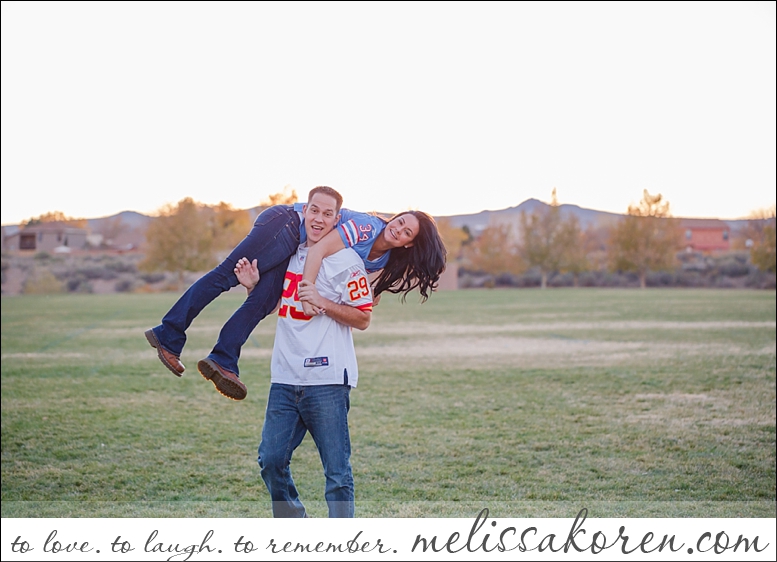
[[406, 250]]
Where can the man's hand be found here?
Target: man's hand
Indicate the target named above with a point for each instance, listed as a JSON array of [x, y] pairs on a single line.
[[247, 273], [312, 302]]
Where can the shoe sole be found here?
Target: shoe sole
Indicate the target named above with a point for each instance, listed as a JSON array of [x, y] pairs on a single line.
[[151, 338], [210, 371]]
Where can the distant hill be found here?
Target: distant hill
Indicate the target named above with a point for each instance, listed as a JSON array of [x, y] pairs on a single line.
[[129, 218], [478, 221], [128, 227], [124, 230]]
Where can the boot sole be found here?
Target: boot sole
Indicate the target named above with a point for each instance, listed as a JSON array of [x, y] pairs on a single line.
[[226, 387], [153, 342]]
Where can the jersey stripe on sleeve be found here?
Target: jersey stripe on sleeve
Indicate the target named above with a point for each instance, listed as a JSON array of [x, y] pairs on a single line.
[[349, 232]]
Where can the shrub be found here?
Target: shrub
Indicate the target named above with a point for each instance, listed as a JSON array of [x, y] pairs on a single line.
[[125, 285], [42, 256], [733, 267], [79, 284], [152, 278], [42, 282], [561, 280]]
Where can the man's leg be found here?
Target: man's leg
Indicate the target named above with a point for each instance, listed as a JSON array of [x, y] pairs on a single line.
[[282, 433], [324, 411], [273, 238]]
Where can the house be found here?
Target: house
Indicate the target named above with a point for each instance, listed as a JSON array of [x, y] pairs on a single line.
[[449, 280], [45, 237], [705, 235]]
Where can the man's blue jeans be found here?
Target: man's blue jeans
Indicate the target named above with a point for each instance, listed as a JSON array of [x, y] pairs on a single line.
[[291, 412], [272, 241]]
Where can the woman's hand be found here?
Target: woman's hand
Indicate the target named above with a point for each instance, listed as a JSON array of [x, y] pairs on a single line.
[[247, 273]]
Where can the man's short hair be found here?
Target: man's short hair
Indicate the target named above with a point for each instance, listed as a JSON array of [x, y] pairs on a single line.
[[325, 190]]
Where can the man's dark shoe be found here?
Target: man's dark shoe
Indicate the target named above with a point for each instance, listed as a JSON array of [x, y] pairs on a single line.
[[227, 382], [168, 359]]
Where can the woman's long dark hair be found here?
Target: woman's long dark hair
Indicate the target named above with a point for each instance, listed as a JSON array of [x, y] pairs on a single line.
[[420, 265]]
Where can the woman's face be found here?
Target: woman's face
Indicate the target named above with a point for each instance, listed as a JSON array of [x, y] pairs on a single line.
[[401, 231]]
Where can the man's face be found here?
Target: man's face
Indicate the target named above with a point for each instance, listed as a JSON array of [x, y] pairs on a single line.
[[320, 216]]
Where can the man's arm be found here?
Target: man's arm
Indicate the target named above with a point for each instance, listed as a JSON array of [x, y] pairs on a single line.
[[343, 313]]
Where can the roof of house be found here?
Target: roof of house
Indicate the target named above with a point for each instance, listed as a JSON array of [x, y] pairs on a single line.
[[704, 223], [52, 227]]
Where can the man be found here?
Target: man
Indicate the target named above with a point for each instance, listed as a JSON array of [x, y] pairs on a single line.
[[313, 364]]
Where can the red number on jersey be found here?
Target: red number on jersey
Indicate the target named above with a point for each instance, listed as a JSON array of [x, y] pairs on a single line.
[[358, 290]]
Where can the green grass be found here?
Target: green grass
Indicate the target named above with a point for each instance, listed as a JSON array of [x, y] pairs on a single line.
[[655, 403]]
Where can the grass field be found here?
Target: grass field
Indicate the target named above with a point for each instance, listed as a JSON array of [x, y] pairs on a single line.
[[654, 403]]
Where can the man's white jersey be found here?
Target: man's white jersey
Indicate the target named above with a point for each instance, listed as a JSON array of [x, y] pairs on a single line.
[[316, 350]]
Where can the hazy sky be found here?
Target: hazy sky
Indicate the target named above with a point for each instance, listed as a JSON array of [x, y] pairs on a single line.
[[447, 107]]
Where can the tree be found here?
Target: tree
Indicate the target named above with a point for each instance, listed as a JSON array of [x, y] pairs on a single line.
[[645, 239], [572, 244], [229, 226], [761, 232], [180, 239], [55, 217], [494, 251], [286, 197], [452, 237], [543, 236], [112, 229]]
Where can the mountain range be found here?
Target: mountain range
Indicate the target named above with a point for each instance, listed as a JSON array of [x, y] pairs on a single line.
[[132, 225]]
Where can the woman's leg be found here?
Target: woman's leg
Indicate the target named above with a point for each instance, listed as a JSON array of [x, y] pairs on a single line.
[[273, 238], [261, 302]]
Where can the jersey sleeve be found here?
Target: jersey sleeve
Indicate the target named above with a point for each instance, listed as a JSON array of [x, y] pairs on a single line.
[[359, 228], [354, 288]]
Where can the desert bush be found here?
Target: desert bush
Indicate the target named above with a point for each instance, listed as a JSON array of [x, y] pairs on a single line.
[[42, 256], [760, 280], [152, 278], [42, 282], [561, 280], [125, 285], [690, 279], [78, 284], [733, 267]]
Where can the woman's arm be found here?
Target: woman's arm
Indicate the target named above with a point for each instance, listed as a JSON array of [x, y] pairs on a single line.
[[328, 245]]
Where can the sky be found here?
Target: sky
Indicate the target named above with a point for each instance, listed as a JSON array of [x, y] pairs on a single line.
[[447, 107]]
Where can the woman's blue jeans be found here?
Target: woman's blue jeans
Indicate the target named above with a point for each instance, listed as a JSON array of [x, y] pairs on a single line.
[[291, 412], [272, 241]]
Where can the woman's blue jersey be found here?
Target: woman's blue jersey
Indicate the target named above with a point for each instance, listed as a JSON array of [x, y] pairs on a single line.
[[358, 231]]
